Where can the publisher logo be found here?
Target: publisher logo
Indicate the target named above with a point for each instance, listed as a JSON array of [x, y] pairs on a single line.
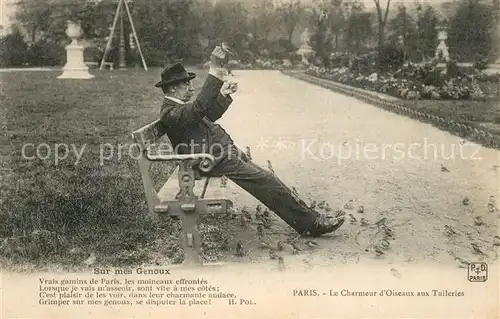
[[477, 272]]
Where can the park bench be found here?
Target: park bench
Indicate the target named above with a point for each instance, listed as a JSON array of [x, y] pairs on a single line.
[[179, 196]]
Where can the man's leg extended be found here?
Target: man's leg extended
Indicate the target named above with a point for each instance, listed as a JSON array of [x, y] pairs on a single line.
[[273, 193]]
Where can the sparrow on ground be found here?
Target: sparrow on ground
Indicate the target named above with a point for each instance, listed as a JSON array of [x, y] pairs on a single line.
[[461, 263], [280, 246], [328, 208], [263, 244], [496, 241], [363, 222], [378, 251], [478, 221], [491, 208], [476, 249], [313, 204], [321, 204], [90, 260], [448, 231], [311, 243], [352, 219], [492, 199], [260, 230], [466, 201], [385, 244], [349, 204], [281, 263]]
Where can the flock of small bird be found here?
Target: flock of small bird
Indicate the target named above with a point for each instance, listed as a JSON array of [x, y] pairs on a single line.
[[478, 221], [263, 221]]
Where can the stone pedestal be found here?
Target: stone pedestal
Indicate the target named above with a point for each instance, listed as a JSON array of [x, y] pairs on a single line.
[[75, 67], [307, 53]]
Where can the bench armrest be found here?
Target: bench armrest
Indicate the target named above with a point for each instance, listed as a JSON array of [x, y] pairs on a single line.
[[206, 161]]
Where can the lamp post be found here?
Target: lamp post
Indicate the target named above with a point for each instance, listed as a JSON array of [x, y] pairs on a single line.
[[419, 56], [122, 63]]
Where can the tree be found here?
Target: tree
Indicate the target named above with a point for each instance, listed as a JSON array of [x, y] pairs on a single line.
[[230, 22], [336, 19], [290, 13], [470, 36], [34, 16], [403, 25], [264, 18], [382, 20], [358, 31], [427, 33]]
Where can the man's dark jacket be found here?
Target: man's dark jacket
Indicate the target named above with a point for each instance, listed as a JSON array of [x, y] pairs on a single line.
[[191, 126]]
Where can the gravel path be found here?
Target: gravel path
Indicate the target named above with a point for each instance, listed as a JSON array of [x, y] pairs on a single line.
[[336, 148]]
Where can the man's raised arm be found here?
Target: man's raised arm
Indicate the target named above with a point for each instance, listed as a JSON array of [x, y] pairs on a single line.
[[204, 101]]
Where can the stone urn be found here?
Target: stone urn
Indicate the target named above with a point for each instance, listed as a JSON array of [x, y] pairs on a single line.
[[75, 67], [442, 48]]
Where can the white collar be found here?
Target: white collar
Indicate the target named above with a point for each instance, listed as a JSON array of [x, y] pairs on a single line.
[[175, 99]]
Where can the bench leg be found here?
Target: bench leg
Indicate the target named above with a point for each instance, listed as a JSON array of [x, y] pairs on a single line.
[[191, 240]]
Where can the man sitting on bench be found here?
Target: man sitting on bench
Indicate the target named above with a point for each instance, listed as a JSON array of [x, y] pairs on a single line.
[[191, 129]]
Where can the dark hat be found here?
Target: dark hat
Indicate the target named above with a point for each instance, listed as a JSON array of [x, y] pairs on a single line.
[[175, 74]]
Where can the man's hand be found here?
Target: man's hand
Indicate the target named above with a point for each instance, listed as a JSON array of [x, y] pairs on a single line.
[[229, 87]]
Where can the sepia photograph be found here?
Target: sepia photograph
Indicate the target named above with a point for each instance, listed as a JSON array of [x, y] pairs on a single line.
[[250, 158]]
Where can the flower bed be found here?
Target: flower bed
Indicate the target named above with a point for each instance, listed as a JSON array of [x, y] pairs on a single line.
[[412, 82]]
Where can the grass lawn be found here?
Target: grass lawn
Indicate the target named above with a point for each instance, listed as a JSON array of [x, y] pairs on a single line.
[[63, 212]]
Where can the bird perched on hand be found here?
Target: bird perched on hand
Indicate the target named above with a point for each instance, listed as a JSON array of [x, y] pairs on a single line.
[[444, 169], [248, 153], [361, 209], [270, 167]]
